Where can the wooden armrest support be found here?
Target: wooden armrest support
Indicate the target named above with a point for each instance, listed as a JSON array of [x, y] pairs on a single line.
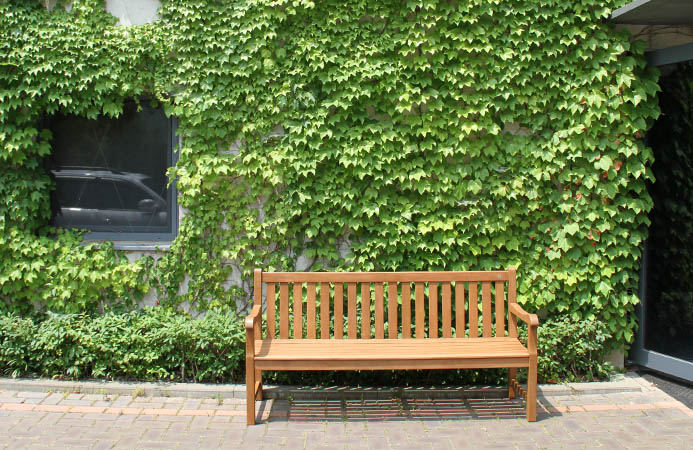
[[253, 317], [532, 322], [252, 330], [530, 319]]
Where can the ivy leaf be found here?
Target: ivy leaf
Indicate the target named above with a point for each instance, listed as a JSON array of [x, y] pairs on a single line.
[[604, 163], [571, 228]]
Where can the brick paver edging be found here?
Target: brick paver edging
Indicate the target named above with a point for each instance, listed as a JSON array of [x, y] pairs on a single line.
[[119, 411], [629, 383], [626, 407], [228, 413]]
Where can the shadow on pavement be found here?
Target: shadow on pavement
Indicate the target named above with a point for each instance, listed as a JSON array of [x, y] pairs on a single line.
[[399, 409]]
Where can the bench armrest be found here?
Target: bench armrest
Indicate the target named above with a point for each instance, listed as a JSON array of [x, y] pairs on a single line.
[[530, 319], [252, 330], [532, 322], [253, 317]]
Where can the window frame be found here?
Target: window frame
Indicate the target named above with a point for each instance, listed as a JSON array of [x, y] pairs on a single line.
[[140, 240]]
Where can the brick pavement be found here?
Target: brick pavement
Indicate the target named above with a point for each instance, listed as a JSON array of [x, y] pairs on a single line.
[[646, 419]]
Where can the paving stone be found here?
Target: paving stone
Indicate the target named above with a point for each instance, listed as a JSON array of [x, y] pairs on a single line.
[[192, 403], [31, 400], [102, 403], [103, 445], [31, 394], [93, 397], [75, 402], [52, 399], [377, 443]]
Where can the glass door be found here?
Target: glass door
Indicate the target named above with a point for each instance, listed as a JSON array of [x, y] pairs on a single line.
[[665, 338]]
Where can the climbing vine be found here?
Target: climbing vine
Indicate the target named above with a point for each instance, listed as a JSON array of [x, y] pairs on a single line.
[[389, 135]]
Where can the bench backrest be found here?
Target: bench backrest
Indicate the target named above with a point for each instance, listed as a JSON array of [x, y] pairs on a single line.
[[379, 304]]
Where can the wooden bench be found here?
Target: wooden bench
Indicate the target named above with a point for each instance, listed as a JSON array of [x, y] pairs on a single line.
[[376, 333]]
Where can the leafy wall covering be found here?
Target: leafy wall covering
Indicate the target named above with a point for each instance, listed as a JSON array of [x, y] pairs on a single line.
[[469, 134]]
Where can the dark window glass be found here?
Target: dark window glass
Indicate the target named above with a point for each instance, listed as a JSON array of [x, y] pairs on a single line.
[[669, 298], [110, 173]]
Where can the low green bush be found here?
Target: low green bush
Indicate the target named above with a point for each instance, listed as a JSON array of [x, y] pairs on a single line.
[[16, 335], [152, 344], [572, 350], [164, 344]]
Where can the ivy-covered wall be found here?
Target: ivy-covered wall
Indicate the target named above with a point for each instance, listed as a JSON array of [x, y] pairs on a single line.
[[359, 135]]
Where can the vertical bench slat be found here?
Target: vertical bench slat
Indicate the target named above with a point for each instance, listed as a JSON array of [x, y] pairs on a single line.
[[512, 320], [406, 310], [310, 313], [284, 310], [298, 310], [473, 309], [447, 311], [365, 310], [392, 325], [325, 310], [379, 311], [351, 299], [338, 311], [459, 309], [420, 310], [433, 310], [270, 299], [486, 311], [500, 309]]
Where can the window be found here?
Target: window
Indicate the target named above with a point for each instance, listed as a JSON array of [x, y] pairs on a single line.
[[110, 174]]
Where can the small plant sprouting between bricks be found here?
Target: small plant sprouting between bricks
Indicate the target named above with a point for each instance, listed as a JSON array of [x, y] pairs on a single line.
[[138, 392]]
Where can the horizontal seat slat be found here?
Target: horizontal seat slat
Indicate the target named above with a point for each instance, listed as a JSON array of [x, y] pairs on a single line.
[[318, 350], [390, 364], [378, 277]]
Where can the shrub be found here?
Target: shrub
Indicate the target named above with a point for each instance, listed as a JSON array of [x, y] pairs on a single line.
[[16, 334], [152, 344], [572, 350], [164, 344]]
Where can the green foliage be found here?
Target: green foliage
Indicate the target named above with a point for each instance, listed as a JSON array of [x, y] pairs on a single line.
[[160, 344], [60, 274], [153, 344], [572, 350], [363, 135], [16, 334]]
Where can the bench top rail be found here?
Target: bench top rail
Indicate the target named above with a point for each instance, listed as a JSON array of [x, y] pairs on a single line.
[[383, 277], [386, 305]]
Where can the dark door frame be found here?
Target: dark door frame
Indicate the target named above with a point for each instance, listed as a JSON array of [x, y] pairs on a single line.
[[639, 354]]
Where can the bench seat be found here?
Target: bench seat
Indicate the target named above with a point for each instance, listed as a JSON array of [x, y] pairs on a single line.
[[384, 354]]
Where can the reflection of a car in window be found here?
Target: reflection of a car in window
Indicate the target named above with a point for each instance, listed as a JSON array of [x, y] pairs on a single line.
[[99, 199]]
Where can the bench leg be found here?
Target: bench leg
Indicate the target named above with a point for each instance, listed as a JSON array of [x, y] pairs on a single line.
[[532, 390], [250, 390], [258, 385], [512, 379]]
